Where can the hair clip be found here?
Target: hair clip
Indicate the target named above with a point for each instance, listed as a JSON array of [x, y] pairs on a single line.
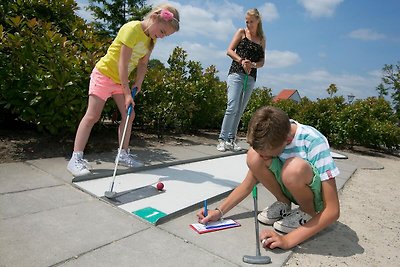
[[166, 15]]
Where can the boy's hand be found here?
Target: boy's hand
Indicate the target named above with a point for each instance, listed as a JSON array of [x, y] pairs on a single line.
[[213, 215], [271, 239]]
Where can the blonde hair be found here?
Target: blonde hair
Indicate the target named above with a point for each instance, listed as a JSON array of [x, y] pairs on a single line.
[[155, 14], [254, 13]]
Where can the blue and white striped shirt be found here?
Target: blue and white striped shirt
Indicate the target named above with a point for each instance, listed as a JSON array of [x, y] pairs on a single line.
[[309, 144]]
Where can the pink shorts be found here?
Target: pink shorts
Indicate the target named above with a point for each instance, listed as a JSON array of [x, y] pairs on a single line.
[[103, 86]]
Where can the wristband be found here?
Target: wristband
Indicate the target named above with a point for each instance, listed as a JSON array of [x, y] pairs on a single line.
[[220, 211]]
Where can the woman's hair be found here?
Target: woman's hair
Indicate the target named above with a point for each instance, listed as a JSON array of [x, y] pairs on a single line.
[[269, 127], [254, 13], [164, 13]]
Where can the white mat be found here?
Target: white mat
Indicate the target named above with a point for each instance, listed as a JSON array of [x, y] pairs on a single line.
[[185, 185]]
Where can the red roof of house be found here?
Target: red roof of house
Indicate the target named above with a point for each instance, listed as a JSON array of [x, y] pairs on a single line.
[[284, 94]]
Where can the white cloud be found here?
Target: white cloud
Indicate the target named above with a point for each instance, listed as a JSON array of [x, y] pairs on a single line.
[[281, 59], [208, 19], [320, 8], [207, 54], [366, 35], [268, 12]]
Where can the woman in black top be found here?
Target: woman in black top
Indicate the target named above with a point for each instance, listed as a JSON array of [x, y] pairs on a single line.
[[247, 52]]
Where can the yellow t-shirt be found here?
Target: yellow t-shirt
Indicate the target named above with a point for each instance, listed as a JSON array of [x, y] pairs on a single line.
[[132, 35]]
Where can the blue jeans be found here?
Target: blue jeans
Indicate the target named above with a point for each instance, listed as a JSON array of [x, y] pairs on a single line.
[[237, 102]]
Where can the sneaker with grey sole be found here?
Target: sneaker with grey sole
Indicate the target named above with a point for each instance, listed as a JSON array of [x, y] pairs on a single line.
[[273, 213], [292, 221]]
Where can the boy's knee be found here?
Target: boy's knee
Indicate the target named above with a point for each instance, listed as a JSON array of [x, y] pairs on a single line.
[[296, 170]]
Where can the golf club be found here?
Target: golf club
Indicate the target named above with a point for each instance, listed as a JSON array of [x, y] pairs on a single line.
[[111, 193], [257, 259]]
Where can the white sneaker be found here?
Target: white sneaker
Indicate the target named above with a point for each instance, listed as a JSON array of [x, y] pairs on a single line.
[[77, 165], [292, 221], [221, 147], [274, 213], [128, 160], [233, 146]]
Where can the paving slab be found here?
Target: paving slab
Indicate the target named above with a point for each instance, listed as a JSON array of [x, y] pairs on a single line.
[[51, 236], [46, 221], [15, 177]]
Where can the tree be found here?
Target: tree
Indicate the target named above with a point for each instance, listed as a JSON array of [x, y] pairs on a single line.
[[111, 15], [332, 89], [391, 78]]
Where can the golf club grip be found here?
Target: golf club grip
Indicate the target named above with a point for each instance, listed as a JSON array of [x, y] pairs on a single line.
[[255, 191], [134, 90]]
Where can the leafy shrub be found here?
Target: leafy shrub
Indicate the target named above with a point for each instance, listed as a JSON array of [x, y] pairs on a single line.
[[46, 73]]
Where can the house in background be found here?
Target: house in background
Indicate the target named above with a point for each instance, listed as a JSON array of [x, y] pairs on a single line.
[[288, 94]]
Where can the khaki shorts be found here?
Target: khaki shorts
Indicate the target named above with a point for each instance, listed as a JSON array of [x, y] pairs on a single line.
[[315, 185], [103, 86]]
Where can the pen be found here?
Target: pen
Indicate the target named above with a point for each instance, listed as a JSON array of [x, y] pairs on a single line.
[[205, 208], [220, 226]]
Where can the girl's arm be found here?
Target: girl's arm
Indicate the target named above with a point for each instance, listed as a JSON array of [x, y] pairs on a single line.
[[232, 46], [260, 63], [124, 58], [141, 71]]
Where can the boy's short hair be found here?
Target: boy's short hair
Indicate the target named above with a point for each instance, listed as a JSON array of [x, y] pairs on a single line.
[[269, 127]]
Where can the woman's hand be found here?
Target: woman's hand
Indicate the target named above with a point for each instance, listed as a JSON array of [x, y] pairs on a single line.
[[247, 65]]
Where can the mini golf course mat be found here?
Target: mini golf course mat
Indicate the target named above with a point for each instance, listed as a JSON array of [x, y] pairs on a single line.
[[186, 185], [338, 156]]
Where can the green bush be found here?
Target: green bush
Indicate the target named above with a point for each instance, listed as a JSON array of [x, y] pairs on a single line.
[[46, 73]]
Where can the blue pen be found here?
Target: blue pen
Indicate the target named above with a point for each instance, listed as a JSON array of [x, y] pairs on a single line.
[[205, 208], [220, 226]]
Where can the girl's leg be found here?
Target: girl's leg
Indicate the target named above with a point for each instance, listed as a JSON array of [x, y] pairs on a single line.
[[92, 115], [235, 85], [120, 101]]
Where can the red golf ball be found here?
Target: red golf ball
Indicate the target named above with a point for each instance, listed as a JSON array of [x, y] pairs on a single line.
[[160, 186]]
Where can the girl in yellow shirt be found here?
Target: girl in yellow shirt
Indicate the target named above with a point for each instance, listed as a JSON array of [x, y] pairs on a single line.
[[130, 49]]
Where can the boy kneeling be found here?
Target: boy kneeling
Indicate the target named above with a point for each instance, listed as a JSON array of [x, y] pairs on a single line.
[[294, 163]]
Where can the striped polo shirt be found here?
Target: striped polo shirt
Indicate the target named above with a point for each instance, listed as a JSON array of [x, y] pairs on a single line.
[[309, 144]]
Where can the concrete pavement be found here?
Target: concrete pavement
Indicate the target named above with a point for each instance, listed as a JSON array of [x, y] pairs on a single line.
[[46, 221]]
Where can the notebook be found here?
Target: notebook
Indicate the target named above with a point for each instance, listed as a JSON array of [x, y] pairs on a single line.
[[214, 226]]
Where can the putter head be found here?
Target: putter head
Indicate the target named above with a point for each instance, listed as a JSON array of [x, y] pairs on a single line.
[[110, 194], [256, 259]]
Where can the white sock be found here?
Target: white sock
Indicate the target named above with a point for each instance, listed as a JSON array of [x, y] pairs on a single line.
[[77, 154]]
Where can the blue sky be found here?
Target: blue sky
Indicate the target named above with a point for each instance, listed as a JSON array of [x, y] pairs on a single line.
[[310, 43]]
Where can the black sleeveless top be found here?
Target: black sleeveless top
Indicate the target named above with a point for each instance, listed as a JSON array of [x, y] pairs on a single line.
[[247, 49]]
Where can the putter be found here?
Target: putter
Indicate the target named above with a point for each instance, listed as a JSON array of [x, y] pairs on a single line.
[[257, 259], [111, 193]]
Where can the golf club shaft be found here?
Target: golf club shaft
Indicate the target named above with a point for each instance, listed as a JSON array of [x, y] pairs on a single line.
[[258, 253], [122, 141]]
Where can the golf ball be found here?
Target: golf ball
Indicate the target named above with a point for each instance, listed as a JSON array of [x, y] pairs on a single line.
[[265, 241], [160, 186]]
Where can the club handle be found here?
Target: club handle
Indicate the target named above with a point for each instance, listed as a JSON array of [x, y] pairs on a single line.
[[134, 90], [255, 192]]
